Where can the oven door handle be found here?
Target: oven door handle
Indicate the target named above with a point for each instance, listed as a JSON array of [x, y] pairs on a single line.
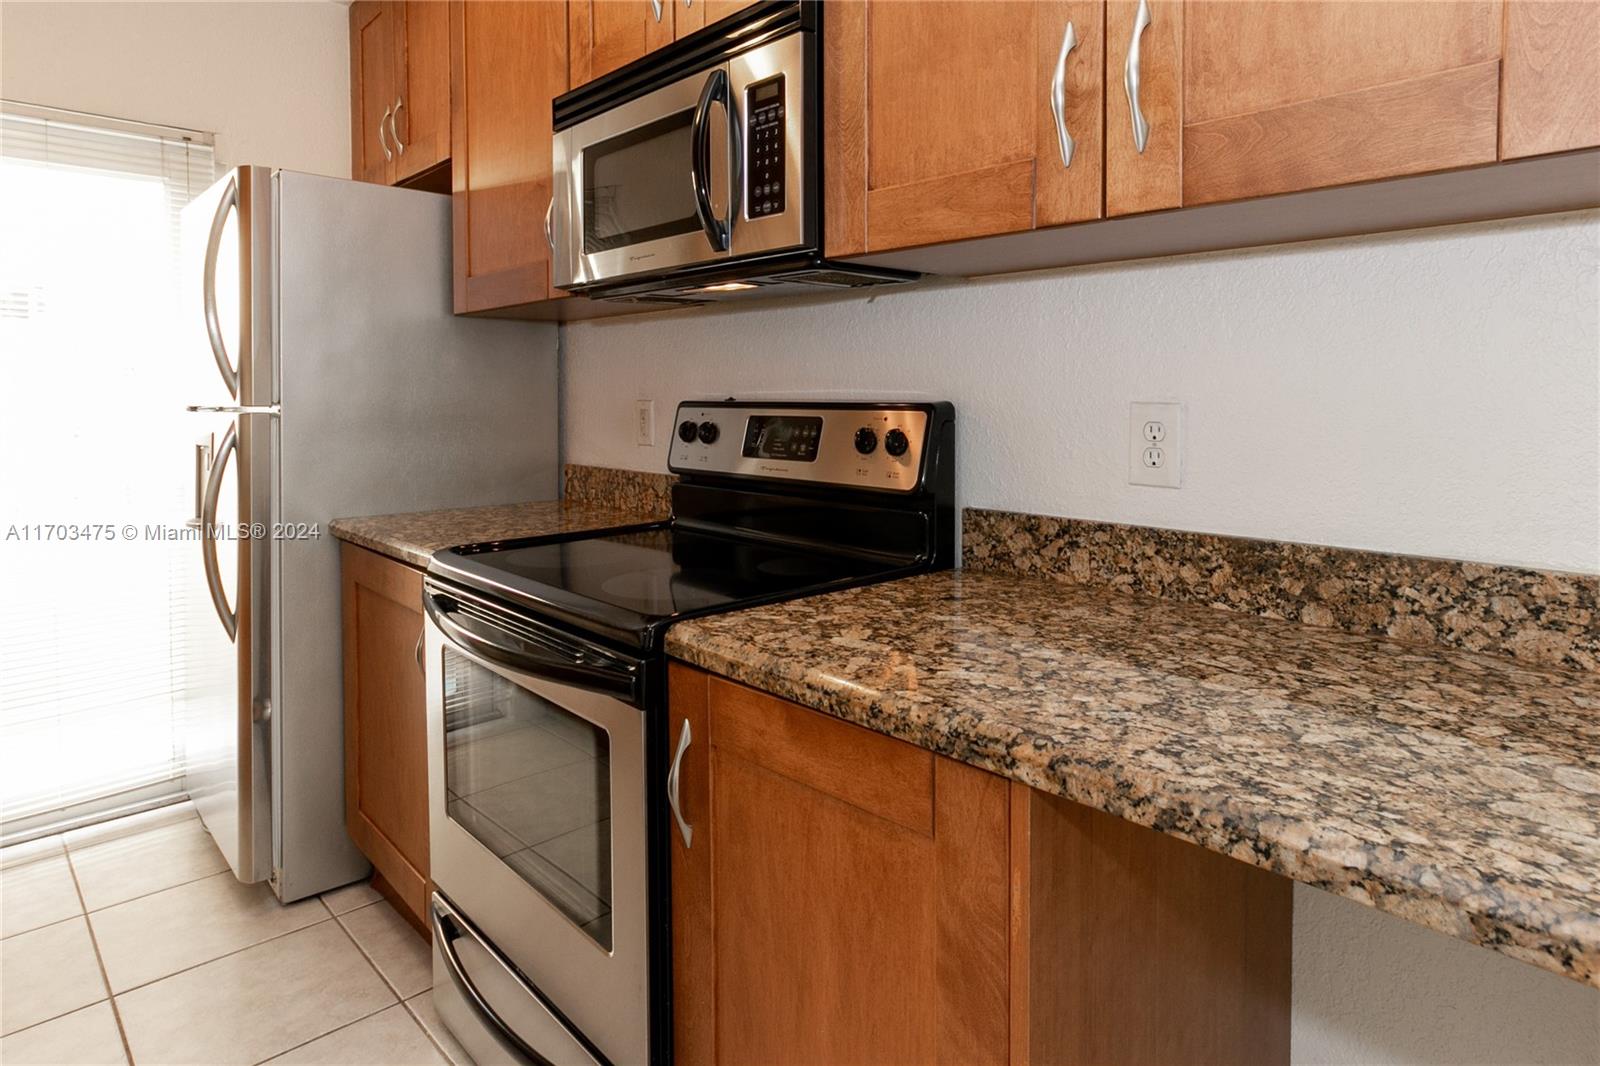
[[571, 669], [716, 90], [449, 928]]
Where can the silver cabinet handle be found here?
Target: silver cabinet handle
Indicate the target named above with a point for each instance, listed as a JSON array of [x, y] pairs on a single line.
[[1058, 95], [655, 6], [208, 543], [1130, 78], [219, 350], [672, 784], [382, 122], [420, 666], [394, 127], [549, 233]]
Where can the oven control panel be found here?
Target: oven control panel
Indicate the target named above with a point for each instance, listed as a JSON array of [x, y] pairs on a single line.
[[880, 447], [764, 133]]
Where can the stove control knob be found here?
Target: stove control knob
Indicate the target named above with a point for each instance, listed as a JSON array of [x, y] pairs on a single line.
[[709, 433], [895, 443], [866, 441], [687, 431]]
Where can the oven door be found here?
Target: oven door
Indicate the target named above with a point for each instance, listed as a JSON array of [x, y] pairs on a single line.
[[536, 797], [647, 186]]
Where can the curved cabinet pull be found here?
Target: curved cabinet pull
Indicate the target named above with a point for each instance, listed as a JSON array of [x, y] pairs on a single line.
[[549, 231], [394, 126], [420, 666], [208, 542], [1058, 95], [684, 827], [219, 350], [655, 6], [1130, 78], [382, 143]]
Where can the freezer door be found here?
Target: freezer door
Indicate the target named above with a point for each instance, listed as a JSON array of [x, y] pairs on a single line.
[[225, 653]]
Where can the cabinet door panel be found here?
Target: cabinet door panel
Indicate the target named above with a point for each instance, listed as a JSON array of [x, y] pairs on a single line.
[[693, 965], [1152, 179], [952, 102], [385, 708], [1075, 192], [508, 61], [607, 34], [1284, 97], [422, 125], [373, 87], [1552, 77]]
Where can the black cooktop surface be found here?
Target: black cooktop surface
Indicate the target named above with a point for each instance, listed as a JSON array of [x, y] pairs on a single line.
[[626, 585]]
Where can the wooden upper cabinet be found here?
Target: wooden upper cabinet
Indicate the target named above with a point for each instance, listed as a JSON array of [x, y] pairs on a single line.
[[933, 119], [1551, 77], [607, 34], [421, 123], [1280, 97], [697, 14], [1071, 118], [508, 61], [374, 44], [1144, 80]]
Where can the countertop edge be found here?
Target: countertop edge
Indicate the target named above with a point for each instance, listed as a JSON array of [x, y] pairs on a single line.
[[1216, 824]]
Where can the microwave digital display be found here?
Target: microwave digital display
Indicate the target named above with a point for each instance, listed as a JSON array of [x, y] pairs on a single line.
[[782, 437]]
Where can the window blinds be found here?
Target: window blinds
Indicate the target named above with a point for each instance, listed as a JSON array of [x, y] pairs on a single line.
[[93, 448]]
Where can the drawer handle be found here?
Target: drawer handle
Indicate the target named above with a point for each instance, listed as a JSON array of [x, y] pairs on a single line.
[[1058, 95], [684, 827], [1130, 78]]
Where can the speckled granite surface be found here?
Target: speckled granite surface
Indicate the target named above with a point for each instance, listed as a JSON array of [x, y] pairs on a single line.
[[633, 490], [413, 538], [1458, 790], [1541, 617]]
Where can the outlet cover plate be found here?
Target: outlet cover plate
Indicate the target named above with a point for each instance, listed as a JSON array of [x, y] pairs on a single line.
[[1155, 444], [644, 423]]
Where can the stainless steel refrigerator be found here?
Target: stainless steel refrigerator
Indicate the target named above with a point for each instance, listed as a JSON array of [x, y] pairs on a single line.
[[330, 378]]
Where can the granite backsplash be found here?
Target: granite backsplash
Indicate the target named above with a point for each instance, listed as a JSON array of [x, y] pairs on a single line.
[[1547, 618]]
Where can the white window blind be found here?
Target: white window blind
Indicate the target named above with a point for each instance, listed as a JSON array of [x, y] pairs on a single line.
[[93, 447]]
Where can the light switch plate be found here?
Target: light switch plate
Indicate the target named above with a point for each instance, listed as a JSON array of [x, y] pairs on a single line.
[[1155, 444], [644, 423]]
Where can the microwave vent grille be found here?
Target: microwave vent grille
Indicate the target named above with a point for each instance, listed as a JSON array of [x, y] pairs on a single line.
[[838, 279]]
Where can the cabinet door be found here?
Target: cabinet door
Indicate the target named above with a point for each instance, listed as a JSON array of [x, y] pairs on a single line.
[[421, 124], [1144, 104], [508, 61], [1551, 91], [844, 896], [1069, 179], [932, 120], [385, 728], [607, 34], [373, 89], [1280, 97]]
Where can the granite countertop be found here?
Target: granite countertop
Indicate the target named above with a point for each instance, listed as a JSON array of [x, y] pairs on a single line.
[[1454, 789], [415, 536]]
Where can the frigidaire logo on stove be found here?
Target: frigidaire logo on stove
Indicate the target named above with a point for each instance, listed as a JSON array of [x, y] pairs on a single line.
[[636, 258]]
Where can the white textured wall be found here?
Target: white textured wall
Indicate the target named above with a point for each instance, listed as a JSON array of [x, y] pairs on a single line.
[[1434, 392], [271, 80]]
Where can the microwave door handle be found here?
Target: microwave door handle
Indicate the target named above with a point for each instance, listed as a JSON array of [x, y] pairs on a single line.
[[716, 90]]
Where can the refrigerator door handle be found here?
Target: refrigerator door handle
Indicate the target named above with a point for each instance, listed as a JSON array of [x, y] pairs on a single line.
[[202, 467], [229, 201], [208, 543]]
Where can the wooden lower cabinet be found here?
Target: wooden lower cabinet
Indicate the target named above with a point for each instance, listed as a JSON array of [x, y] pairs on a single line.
[[385, 726], [847, 897]]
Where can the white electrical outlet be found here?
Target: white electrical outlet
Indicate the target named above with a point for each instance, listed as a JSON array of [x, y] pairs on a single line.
[[1155, 444], [644, 423]]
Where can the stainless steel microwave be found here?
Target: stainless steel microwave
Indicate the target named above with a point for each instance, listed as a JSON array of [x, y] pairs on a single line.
[[695, 173]]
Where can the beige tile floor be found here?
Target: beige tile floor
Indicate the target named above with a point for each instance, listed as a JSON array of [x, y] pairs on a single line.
[[132, 942]]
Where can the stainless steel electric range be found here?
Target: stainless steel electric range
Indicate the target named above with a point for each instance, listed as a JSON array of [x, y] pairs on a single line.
[[549, 764]]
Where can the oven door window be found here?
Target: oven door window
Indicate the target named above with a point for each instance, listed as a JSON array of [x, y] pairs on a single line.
[[637, 187], [532, 782]]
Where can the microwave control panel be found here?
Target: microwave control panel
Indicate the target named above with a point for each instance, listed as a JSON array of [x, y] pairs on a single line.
[[764, 126]]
